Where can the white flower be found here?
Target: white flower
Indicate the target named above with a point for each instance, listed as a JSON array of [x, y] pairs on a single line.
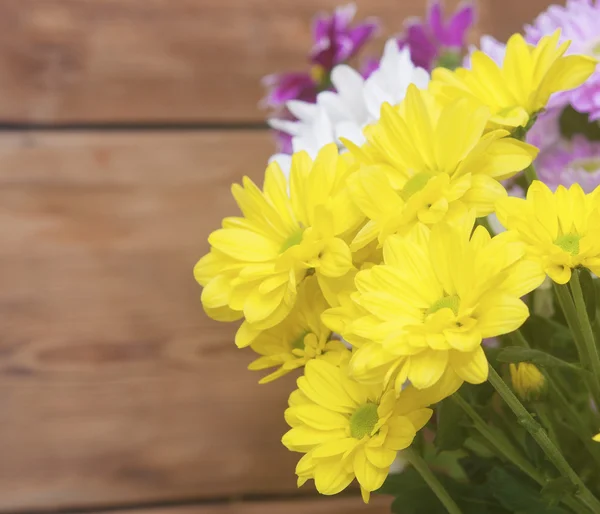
[[354, 104]]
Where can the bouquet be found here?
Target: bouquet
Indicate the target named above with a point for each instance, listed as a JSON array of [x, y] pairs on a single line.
[[423, 255]]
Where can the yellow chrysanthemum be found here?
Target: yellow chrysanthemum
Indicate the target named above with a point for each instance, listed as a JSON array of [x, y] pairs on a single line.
[[424, 163], [561, 229], [349, 430], [300, 337], [428, 307], [522, 86], [527, 380], [257, 261]]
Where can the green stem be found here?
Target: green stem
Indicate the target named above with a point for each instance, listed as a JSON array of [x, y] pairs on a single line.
[[541, 437], [586, 327], [570, 311], [506, 450], [575, 424], [502, 445], [542, 414], [435, 485], [530, 174]]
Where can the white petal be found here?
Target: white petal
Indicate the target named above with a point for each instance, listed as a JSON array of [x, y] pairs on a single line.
[[284, 161], [289, 127], [304, 111], [351, 131]]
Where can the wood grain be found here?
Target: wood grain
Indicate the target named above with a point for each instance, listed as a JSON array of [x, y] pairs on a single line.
[[115, 387], [66, 61], [378, 505], [509, 16]]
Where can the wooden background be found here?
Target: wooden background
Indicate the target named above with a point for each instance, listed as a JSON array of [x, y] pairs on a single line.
[[123, 124]]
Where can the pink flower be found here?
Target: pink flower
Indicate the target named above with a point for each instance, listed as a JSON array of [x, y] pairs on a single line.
[[579, 22], [435, 41]]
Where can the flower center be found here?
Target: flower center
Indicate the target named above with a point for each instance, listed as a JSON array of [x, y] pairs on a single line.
[[594, 48], [298, 343], [363, 421], [415, 184], [569, 243], [446, 302], [450, 60], [293, 240], [590, 165]]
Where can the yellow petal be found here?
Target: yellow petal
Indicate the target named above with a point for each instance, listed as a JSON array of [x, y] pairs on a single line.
[[400, 434], [370, 477], [471, 367], [427, 367], [244, 245], [331, 476]]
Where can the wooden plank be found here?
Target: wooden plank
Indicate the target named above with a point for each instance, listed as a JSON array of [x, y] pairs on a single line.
[[509, 16], [115, 387], [157, 60], [335, 505]]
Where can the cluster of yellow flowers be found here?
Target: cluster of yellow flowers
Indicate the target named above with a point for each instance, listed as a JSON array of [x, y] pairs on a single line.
[[381, 246]]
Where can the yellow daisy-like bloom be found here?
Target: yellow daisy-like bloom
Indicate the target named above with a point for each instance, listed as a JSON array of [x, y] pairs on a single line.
[[300, 337], [522, 86], [348, 430], [257, 261], [527, 380], [424, 163], [561, 229], [428, 307]]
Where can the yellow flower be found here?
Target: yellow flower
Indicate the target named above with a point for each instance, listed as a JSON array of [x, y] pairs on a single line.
[[528, 382], [522, 86], [428, 307], [424, 164], [561, 229], [348, 430], [257, 261], [596, 438], [298, 338]]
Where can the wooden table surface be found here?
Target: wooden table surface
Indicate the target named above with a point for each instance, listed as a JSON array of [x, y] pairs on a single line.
[[124, 122]]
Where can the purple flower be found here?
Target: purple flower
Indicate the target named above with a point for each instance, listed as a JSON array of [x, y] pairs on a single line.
[[579, 22], [436, 42], [336, 41], [489, 46], [570, 162], [283, 87], [545, 132]]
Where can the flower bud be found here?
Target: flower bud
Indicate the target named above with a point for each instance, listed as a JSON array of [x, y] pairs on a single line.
[[527, 380]]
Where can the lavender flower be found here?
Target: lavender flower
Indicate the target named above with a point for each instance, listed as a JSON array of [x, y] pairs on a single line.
[[335, 42], [283, 87], [570, 162], [436, 42], [579, 21]]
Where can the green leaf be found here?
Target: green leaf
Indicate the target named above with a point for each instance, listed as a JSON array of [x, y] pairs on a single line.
[[518, 495], [413, 495], [555, 490], [516, 354], [546, 333], [451, 433], [589, 292]]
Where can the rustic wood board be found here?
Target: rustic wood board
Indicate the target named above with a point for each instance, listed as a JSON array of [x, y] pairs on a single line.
[[337, 505], [89, 61], [115, 387], [509, 16]]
